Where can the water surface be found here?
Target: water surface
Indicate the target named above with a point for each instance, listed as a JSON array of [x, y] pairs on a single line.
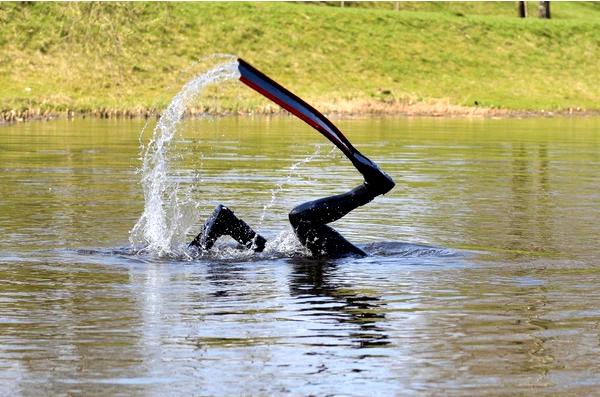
[[482, 280]]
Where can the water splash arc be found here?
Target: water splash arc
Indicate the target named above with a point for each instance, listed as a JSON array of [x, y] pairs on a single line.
[[160, 228]]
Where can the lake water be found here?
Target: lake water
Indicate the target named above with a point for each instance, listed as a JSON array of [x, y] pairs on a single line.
[[483, 276]]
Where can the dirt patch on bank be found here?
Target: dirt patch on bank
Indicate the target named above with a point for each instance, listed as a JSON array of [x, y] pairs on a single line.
[[337, 108]]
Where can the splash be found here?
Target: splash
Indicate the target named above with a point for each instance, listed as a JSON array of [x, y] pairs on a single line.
[[280, 186], [162, 226]]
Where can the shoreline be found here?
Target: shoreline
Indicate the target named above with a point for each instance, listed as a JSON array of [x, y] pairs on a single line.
[[330, 109]]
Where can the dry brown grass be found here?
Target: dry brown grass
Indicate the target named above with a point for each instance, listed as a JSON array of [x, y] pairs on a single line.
[[338, 108]]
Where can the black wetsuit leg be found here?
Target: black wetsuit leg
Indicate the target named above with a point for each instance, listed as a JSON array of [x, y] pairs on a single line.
[[223, 222], [309, 221]]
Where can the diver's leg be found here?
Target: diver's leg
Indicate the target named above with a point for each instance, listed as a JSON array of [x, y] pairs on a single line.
[[224, 222], [309, 222], [329, 209], [309, 219], [324, 241]]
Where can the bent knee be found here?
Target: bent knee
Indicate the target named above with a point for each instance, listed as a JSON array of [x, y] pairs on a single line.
[[300, 215], [295, 217]]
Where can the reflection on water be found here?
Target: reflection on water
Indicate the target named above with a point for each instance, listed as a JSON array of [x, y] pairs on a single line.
[[482, 280], [319, 295]]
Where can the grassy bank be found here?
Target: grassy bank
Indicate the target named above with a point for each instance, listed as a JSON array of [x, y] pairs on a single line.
[[127, 58]]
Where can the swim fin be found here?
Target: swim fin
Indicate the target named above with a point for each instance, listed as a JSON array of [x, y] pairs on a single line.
[[266, 86]]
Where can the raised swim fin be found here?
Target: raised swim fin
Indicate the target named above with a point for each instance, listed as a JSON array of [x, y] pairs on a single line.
[[266, 86]]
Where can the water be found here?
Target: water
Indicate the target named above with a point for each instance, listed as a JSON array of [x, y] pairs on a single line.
[[483, 278], [162, 225]]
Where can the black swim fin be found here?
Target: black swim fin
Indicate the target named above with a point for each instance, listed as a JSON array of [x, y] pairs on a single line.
[[258, 81]]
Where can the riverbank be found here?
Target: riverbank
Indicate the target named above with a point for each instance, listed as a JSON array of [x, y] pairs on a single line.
[[128, 59], [335, 110]]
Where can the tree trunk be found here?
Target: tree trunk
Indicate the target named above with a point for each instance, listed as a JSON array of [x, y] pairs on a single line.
[[522, 9], [544, 9]]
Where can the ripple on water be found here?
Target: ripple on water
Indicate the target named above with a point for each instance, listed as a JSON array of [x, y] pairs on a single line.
[[516, 313]]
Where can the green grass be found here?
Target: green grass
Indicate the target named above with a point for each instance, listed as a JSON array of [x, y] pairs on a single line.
[[90, 56], [565, 10]]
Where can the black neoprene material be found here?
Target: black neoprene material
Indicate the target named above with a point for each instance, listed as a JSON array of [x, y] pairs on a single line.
[[330, 209], [309, 221], [224, 222]]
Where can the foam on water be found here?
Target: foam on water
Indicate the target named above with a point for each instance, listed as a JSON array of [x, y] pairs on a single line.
[[163, 225]]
